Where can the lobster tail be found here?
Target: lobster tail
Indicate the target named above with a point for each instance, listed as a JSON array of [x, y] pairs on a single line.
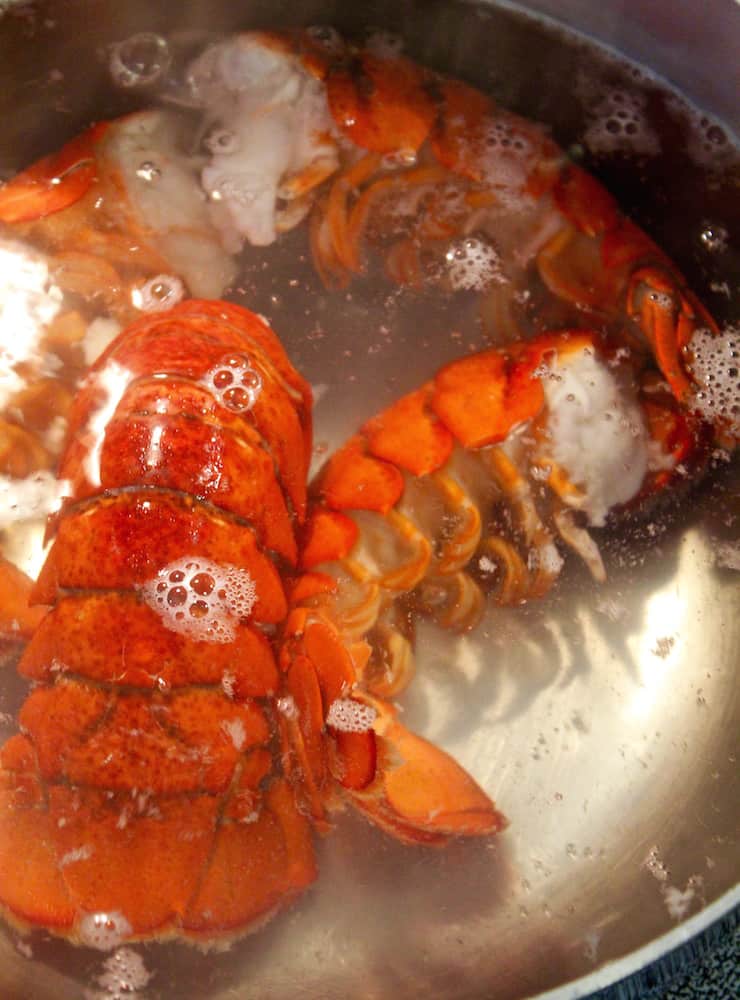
[[147, 746]]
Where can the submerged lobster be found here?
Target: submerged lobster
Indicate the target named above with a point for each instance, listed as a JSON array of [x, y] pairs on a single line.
[[212, 675]]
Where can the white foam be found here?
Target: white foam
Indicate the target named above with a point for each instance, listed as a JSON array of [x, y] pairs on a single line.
[[596, 431], [77, 854], [103, 930], [473, 264], [33, 497], [715, 365], [727, 555], [707, 142], [140, 60], [200, 598], [348, 716], [28, 303], [507, 156]]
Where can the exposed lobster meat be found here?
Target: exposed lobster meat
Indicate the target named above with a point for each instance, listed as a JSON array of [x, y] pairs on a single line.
[[184, 718]]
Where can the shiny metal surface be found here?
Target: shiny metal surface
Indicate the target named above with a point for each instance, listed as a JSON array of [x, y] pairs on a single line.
[[603, 720]]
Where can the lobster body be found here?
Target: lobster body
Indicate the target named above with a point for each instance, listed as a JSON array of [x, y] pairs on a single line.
[[167, 735]]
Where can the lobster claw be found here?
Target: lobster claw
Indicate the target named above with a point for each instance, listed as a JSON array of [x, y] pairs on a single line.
[[54, 182], [419, 794]]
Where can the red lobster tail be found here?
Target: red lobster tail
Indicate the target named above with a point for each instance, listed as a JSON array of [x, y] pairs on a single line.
[[147, 747]]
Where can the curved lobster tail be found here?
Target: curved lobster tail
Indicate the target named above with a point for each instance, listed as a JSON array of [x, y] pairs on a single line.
[[467, 485], [142, 796]]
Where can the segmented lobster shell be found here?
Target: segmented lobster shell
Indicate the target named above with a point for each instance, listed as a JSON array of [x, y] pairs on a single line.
[[147, 750]]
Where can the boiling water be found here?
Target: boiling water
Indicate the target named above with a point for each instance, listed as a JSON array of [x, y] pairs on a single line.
[[596, 718]]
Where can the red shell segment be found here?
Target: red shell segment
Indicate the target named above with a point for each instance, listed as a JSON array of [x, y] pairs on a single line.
[[409, 435], [383, 105], [122, 542], [354, 480], [82, 635], [476, 400], [328, 535]]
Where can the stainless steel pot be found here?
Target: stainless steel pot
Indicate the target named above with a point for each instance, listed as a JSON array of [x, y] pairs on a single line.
[[605, 722]]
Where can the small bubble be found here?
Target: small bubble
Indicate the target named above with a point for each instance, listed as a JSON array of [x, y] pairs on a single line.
[[237, 398], [713, 237], [222, 140], [202, 583], [148, 171], [139, 60], [177, 596], [158, 294]]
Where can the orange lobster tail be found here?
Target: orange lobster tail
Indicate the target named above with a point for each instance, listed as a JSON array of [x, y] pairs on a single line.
[[194, 803]]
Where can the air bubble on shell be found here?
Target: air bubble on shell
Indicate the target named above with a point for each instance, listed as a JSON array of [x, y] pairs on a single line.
[[140, 60], [234, 383], [158, 294], [287, 707], [210, 617], [104, 930], [472, 264], [348, 716]]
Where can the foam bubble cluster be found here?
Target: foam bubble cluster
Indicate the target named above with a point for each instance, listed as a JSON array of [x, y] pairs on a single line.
[[619, 124], [201, 599], [707, 143], [124, 974], [507, 154], [158, 294], [234, 383], [348, 716], [104, 930], [715, 365], [473, 264]]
